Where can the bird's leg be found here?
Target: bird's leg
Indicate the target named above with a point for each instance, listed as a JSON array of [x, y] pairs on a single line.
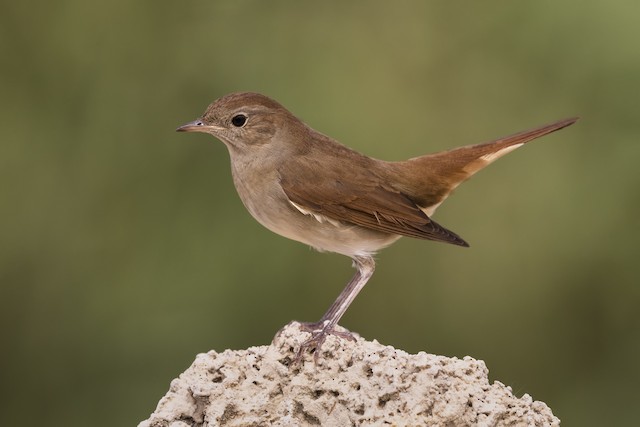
[[365, 266]]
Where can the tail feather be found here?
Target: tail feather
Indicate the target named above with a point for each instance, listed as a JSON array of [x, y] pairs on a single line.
[[448, 169]]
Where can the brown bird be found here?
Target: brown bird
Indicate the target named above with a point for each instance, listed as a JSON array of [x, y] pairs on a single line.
[[308, 187]]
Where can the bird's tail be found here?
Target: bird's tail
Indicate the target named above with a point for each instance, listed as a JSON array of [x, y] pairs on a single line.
[[438, 174]]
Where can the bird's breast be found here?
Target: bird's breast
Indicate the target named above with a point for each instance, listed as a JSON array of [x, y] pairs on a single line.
[[269, 205]]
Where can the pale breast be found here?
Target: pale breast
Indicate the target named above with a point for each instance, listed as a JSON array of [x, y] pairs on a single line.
[[269, 205]]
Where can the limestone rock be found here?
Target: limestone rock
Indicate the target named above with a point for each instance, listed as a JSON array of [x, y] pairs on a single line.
[[358, 383]]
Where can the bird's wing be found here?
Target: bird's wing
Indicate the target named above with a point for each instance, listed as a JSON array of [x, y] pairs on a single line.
[[365, 203]]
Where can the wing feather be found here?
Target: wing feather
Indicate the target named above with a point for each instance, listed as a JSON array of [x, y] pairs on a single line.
[[366, 204]]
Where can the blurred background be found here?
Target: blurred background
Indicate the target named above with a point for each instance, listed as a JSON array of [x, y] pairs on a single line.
[[124, 250]]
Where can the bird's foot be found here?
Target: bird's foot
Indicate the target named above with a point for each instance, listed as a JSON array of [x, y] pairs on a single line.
[[319, 332]]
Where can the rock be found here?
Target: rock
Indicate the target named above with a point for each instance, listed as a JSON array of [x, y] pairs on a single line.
[[357, 383]]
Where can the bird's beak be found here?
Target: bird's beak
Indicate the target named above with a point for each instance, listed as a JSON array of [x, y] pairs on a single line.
[[196, 126]]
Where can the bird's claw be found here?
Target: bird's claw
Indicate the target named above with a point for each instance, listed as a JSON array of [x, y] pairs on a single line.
[[319, 332]]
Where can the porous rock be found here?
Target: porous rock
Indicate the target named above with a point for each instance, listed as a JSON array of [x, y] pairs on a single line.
[[361, 383]]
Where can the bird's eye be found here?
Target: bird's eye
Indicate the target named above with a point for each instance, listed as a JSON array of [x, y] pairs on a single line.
[[239, 120]]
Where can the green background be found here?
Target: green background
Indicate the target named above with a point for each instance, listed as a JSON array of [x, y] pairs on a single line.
[[124, 250]]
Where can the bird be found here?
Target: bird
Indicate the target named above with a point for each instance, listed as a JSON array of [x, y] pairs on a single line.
[[308, 187]]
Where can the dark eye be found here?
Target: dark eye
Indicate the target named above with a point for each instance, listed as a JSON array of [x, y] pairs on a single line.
[[239, 120]]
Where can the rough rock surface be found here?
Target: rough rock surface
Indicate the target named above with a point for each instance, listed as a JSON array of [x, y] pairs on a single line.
[[358, 383]]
